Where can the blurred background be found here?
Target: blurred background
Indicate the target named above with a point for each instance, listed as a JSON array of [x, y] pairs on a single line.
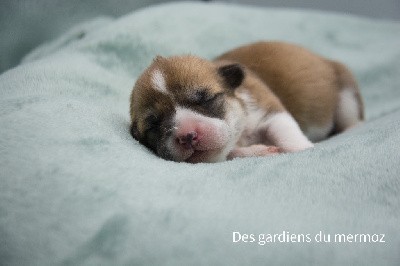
[[25, 24]]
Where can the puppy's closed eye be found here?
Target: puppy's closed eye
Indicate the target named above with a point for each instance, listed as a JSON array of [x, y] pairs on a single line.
[[203, 97]]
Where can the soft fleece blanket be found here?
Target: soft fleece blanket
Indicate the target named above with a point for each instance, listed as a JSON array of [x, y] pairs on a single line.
[[76, 189]]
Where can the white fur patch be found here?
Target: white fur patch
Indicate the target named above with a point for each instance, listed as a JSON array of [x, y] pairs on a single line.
[[284, 132], [254, 112], [158, 81], [215, 133], [347, 109], [185, 113], [216, 126], [253, 119]]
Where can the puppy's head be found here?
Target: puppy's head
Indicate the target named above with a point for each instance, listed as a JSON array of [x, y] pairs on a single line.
[[184, 109]]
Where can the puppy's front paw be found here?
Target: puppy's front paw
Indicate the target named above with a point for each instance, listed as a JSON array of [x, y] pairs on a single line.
[[253, 151], [299, 146]]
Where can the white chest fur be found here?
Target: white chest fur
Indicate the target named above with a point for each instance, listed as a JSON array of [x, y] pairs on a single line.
[[254, 117], [278, 129]]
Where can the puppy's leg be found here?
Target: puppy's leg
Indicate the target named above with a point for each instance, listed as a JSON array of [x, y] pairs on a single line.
[[283, 131], [350, 107], [348, 110], [252, 151]]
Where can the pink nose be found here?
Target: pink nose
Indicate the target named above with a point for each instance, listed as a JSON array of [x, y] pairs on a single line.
[[188, 140]]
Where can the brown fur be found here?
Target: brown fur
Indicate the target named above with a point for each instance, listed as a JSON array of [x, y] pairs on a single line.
[[306, 84], [179, 83]]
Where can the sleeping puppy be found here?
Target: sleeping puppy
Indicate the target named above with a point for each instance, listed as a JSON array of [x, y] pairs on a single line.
[[256, 100]]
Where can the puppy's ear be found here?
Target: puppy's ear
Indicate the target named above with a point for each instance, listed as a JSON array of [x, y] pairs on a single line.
[[134, 130], [233, 75]]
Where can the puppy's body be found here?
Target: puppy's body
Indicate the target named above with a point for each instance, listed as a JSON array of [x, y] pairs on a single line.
[[307, 85], [267, 93]]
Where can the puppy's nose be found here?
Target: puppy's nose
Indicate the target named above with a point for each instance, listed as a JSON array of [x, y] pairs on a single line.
[[188, 140]]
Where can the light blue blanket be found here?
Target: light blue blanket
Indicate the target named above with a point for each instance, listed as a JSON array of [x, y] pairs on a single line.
[[76, 189]]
